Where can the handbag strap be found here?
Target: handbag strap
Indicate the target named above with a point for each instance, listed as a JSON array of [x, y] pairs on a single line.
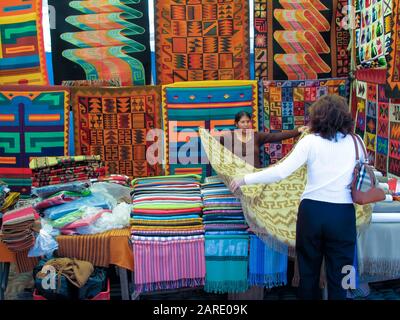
[[355, 139], [370, 173], [356, 147]]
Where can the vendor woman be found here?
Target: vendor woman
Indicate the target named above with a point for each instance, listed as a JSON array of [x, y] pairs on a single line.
[[250, 140]]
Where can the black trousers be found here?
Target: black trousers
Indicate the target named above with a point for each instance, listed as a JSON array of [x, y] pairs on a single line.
[[324, 230]]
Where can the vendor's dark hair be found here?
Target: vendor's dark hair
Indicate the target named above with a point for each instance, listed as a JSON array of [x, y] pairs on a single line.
[[329, 115], [241, 114]]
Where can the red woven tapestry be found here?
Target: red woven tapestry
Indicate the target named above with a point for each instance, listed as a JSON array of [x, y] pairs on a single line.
[[113, 123]]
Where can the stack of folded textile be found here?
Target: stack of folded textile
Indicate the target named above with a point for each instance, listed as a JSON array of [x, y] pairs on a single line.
[[167, 233], [227, 239], [57, 170], [18, 228]]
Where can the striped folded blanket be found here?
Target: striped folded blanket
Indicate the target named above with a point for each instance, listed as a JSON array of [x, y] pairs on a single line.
[[171, 222], [43, 162], [17, 228], [226, 263], [164, 263], [168, 228], [19, 216], [267, 268], [166, 212], [65, 178]]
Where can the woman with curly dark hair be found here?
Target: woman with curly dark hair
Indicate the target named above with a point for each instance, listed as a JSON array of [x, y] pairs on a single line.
[[326, 224]]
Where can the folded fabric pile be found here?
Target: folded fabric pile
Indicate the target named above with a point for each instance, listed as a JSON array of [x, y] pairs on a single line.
[[81, 212], [47, 191], [18, 228], [7, 199], [227, 239], [57, 170], [116, 178], [167, 233], [60, 197], [50, 199], [9, 202], [4, 191], [70, 206]]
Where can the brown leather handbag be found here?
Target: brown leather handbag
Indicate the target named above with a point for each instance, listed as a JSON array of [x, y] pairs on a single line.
[[363, 186]]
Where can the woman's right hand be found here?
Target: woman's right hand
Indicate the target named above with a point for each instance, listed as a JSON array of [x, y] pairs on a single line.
[[236, 184]]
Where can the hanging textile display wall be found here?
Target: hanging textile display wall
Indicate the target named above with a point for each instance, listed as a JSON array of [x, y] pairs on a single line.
[[377, 121], [366, 118], [286, 106], [300, 39], [101, 39], [373, 30], [33, 123], [394, 137], [208, 104], [202, 40], [22, 56], [393, 70], [114, 123]]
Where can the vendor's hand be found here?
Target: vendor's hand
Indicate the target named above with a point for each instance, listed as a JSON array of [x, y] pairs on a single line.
[[302, 129], [236, 184]]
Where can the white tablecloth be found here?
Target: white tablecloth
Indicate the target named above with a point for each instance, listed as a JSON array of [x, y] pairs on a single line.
[[379, 251]]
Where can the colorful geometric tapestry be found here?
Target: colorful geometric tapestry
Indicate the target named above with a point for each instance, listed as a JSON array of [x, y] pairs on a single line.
[[286, 105], [300, 39], [208, 104], [373, 32], [366, 117], [382, 131], [202, 40], [372, 121], [101, 39], [114, 123], [394, 138], [22, 57], [393, 75], [33, 123]]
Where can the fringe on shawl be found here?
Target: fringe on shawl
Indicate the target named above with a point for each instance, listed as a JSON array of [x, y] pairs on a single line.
[[375, 267], [169, 285], [226, 286], [268, 281]]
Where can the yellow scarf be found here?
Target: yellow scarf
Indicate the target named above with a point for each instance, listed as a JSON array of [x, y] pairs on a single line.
[[270, 210]]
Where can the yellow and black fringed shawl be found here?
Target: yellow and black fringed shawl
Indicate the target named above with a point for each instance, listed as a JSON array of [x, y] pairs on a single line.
[[270, 210]]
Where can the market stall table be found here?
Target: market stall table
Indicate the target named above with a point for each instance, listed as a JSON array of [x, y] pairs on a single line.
[[102, 250], [378, 251]]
